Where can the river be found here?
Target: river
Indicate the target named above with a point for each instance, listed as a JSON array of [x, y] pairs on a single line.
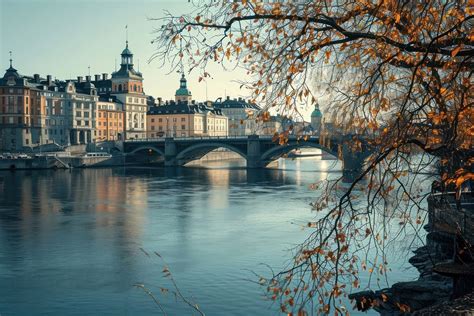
[[74, 242]]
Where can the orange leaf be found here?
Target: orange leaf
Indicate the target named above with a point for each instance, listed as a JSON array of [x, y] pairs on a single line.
[[455, 51]]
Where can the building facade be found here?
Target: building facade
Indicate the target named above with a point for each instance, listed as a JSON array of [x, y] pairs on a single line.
[[242, 115], [35, 111], [110, 119], [127, 87], [180, 119]]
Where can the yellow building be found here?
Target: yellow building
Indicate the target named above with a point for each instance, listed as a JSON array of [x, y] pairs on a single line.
[[182, 119], [110, 119]]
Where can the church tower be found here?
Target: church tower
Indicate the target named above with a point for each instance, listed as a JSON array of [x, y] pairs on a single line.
[[183, 94], [127, 86]]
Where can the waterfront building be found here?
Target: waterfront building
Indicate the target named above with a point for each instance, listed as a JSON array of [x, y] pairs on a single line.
[[35, 111], [110, 119], [183, 119], [22, 109], [242, 115], [126, 85], [81, 97]]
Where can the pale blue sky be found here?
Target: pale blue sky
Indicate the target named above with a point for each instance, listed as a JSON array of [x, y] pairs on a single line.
[[64, 37]]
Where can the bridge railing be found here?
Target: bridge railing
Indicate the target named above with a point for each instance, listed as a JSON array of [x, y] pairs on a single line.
[[236, 137]]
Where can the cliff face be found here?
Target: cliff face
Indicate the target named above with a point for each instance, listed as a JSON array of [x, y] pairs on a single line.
[[446, 219]]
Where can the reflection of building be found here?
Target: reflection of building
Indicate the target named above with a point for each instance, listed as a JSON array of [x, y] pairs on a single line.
[[110, 119], [185, 120], [242, 115]]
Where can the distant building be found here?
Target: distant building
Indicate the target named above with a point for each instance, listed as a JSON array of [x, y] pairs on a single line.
[[316, 117], [110, 119], [183, 95], [182, 119], [269, 127], [242, 115]]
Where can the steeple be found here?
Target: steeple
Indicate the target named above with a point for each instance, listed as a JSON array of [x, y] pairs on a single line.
[[183, 94], [127, 56], [183, 82]]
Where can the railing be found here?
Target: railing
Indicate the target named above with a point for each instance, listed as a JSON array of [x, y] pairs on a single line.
[[264, 137]]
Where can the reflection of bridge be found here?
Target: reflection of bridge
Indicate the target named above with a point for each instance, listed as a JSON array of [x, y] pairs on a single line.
[[258, 151]]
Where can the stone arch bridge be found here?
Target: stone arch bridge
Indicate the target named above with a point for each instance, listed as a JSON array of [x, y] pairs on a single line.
[[258, 151]]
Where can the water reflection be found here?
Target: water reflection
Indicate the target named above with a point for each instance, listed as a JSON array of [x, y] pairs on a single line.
[[70, 240]]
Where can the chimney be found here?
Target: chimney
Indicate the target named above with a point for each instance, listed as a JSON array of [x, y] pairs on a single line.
[[79, 79], [48, 78], [104, 76], [97, 77], [228, 98], [159, 100], [88, 78], [37, 78]]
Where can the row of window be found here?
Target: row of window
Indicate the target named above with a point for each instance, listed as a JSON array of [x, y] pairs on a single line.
[[110, 124], [111, 115], [160, 120]]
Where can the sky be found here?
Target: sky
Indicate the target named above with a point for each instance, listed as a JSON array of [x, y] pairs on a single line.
[[64, 37]]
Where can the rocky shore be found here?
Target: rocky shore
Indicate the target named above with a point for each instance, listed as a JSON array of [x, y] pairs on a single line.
[[432, 291]]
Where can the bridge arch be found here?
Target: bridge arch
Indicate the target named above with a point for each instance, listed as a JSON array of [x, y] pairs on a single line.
[[278, 151], [197, 151], [147, 148]]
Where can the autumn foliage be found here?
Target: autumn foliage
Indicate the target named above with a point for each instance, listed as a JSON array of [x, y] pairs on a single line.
[[398, 72]]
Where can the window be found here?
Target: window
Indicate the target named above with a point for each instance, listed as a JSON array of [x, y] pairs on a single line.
[[152, 128], [175, 119], [78, 114], [183, 126], [86, 114], [153, 120], [100, 114], [86, 123], [183, 119], [160, 120], [160, 128]]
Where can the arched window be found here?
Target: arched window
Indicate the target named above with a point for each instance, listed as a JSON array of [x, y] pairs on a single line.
[[135, 87], [120, 87]]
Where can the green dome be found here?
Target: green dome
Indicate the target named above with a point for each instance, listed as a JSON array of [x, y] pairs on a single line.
[[316, 112], [183, 91], [183, 88]]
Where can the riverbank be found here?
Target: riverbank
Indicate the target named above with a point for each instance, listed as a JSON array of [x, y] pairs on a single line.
[[433, 290]]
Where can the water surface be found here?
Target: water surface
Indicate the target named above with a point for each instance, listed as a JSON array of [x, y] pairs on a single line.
[[70, 241]]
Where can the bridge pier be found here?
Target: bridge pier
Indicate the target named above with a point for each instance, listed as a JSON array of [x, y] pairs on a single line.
[[353, 159], [170, 152], [254, 156]]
